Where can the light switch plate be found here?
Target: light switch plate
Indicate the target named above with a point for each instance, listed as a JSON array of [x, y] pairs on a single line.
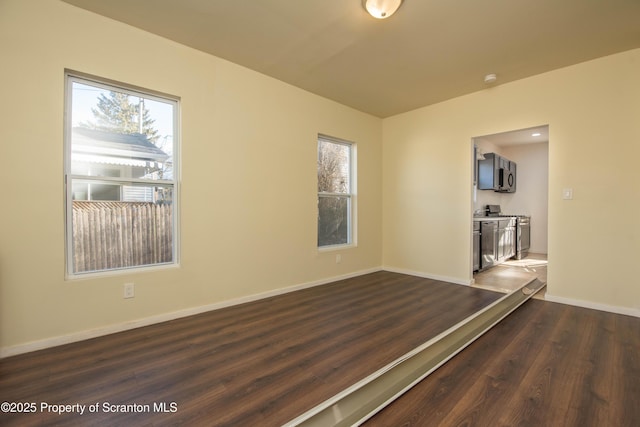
[[567, 193]]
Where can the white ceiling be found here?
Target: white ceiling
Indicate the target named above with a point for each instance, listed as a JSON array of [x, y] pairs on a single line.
[[429, 51], [517, 137]]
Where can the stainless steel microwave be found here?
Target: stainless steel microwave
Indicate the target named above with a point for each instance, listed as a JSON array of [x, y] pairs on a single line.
[[507, 181]]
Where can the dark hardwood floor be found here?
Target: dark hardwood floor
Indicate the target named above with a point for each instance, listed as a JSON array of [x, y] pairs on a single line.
[[255, 364], [544, 365], [263, 363]]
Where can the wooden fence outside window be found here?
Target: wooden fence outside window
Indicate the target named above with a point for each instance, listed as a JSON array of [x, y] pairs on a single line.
[[112, 235]]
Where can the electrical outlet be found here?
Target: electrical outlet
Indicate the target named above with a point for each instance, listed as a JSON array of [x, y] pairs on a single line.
[[338, 259], [129, 290]]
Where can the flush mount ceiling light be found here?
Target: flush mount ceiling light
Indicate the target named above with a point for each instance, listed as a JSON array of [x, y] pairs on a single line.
[[381, 9]]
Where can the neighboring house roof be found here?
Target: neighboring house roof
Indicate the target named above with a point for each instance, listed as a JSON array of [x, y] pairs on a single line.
[[97, 146]]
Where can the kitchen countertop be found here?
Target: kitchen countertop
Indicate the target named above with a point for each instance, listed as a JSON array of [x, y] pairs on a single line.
[[493, 218]]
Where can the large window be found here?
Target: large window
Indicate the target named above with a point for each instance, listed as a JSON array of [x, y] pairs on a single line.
[[335, 192], [120, 176]]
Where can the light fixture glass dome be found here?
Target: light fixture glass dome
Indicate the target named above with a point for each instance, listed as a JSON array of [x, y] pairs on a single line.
[[381, 9]]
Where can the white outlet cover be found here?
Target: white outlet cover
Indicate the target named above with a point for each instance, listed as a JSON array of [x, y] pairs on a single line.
[[567, 193], [129, 290]]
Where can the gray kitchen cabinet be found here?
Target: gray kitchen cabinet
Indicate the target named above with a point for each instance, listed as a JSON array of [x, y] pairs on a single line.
[[496, 241], [496, 173]]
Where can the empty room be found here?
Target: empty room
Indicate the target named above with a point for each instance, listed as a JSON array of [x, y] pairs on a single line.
[[343, 212]]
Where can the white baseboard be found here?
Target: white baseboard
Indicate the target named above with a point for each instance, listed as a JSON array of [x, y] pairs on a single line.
[[627, 311], [455, 280], [138, 323]]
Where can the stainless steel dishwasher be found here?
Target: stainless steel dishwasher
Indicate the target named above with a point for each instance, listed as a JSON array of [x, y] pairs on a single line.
[[476, 245], [506, 243], [488, 240], [523, 236]]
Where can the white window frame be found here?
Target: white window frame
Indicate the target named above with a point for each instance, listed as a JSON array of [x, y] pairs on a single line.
[[107, 84], [350, 196]]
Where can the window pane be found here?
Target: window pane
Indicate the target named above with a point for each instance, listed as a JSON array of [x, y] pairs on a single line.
[[333, 167], [87, 190], [333, 220], [118, 234], [117, 134], [119, 167]]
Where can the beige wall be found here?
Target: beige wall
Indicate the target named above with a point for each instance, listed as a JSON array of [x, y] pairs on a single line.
[[532, 195], [248, 208], [248, 190], [593, 112]]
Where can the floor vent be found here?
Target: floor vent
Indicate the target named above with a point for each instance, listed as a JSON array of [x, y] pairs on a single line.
[[364, 399]]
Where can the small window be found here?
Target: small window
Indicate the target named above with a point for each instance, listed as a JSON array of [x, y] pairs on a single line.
[[120, 175], [335, 192]]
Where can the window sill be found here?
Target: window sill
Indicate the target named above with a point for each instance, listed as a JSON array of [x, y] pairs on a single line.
[[90, 275], [334, 248]]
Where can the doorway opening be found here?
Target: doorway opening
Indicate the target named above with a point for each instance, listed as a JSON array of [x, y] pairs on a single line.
[[508, 250]]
